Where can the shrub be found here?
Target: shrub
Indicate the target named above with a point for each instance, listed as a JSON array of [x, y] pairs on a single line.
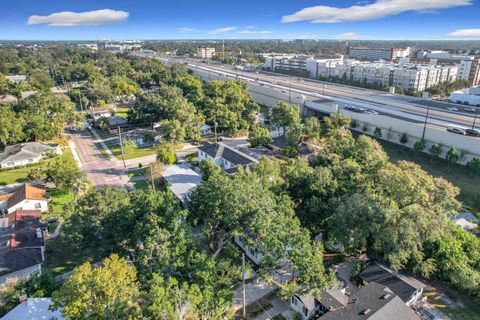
[[474, 165], [403, 138], [435, 149], [378, 132], [452, 156], [419, 146]]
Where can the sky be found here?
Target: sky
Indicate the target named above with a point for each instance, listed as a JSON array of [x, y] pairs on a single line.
[[245, 19]]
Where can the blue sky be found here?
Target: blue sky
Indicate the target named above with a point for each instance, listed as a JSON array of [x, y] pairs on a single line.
[[246, 19]]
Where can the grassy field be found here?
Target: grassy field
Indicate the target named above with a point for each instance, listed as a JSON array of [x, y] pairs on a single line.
[[136, 153], [469, 311], [458, 175], [20, 174]]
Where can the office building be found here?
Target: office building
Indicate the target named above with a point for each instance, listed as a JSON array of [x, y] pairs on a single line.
[[205, 52]]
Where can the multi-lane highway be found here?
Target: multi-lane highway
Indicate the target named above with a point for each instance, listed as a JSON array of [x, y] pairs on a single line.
[[396, 106]]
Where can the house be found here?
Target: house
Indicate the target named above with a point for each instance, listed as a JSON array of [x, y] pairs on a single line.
[[25, 197], [116, 121], [141, 137], [205, 130], [405, 287], [97, 113], [182, 180], [466, 220], [27, 153], [8, 99], [22, 245], [309, 306], [227, 158], [374, 302], [34, 309], [16, 78]]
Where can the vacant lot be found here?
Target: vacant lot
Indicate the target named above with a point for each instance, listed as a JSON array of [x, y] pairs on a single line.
[[458, 175], [136, 153]]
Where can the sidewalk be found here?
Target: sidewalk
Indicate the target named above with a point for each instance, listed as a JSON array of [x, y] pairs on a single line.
[[104, 145], [75, 153]]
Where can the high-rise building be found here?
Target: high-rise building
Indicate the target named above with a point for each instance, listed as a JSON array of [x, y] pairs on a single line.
[[388, 54]]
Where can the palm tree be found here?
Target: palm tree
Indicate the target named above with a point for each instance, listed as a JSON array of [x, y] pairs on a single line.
[[79, 185]]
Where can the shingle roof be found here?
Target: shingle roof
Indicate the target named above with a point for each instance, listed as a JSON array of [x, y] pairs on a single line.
[[27, 191], [373, 302], [220, 150], [332, 299], [18, 259], [401, 285], [25, 151]]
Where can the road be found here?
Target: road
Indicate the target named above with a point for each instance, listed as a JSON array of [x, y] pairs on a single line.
[[396, 106]]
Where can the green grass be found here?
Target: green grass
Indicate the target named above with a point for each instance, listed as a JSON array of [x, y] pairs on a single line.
[[137, 172], [57, 202], [458, 175], [469, 311], [122, 112], [141, 185], [104, 134], [102, 150], [136, 153], [20, 174]]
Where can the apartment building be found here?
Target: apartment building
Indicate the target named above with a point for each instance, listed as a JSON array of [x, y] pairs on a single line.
[[205, 52], [406, 76], [287, 63], [387, 54]]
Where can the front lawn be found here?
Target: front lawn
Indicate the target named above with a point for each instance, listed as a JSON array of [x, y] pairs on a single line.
[[102, 150], [141, 185], [20, 174], [469, 311], [136, 153], [57, 202]]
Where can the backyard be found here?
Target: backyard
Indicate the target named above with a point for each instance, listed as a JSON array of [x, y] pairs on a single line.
[[467, 309]]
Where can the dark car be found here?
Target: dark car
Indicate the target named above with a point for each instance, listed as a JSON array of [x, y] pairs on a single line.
[[472, 132], [456, 130]]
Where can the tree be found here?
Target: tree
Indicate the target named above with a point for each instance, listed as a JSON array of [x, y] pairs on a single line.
[[474, 165], [173, 131], [377, 132], [435, 150], [419, 146], [312, 128], [285, 115], [129, 146], [36, 174], [40, 79], [165, 153], [452, 156], [12, 128], [79, 185], [63, 171], [259, 136], [91, 293]]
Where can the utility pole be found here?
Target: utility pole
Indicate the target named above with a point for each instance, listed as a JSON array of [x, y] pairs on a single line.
[[475, 119], [151, 178], [290, 92], [215, 127], [426, 120], [121, 147], [244, 308]]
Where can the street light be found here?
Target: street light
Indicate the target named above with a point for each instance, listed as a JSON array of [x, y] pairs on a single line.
[[475, 119], [426, 120]]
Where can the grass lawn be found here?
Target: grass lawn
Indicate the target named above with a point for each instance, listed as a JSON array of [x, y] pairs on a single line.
[[136, 153], [57, 202], [458, 175], [122, 112], [141, 185], [102, 150], [137, 172], [104, 134], [20, 174], [469, 311], [62, 254]]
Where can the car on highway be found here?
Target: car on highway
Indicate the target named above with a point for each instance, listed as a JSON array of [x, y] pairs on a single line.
[[372, 112], [456, 130], [472, 132], [452, 108], [469, 109]]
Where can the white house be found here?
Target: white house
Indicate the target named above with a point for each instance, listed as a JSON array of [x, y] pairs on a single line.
[[308, 306], [227, 158], [25, 197], [34, 309], [26, 153], [141, 137], [205, 130], [469, 96]]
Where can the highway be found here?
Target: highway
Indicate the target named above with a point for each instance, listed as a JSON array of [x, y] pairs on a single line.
[[396, 106]]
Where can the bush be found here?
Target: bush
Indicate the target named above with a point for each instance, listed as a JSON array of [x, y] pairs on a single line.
[[165, 153], [435, 149], [365, 128], [378, 132], [474, 165], [452, 156], [404, 138], [419, 146]]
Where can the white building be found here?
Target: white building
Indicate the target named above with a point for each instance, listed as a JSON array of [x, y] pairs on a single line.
[[27, 153], [287, 63], [468, 96], [25, 197], [34, 309], [387, 54], [227, 158], [205, 52]]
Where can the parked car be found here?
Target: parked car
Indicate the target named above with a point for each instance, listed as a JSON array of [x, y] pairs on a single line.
[[472, 132], [469, 109], [456, 130], [452, 108]]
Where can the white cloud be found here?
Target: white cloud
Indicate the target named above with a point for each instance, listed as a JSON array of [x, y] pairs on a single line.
[[249, 27], [255, 32], [70, 19], [370, 11], [222, 30], [186, 29], [465, 33], [348, 36]]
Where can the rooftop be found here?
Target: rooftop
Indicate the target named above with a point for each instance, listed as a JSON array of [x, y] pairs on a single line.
[[25, 151], [25, 191], [221, 150], [34, 309]]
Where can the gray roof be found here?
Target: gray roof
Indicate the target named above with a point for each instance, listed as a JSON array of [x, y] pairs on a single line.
[[402, 285], [25, 151], [373, 302], [468, 216], [19, 259], [333, 298], [220, 150]]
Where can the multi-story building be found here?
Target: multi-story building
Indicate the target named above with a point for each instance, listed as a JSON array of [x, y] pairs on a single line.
[[205, 52], [468, 66], [388, 54], [406, 76], [295, 64]]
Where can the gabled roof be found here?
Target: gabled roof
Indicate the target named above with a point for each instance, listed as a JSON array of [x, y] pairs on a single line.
[[401, 285], [25, 151], [18, 259], [27, 191], [220, 150], [332, 299], [374, 302]]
